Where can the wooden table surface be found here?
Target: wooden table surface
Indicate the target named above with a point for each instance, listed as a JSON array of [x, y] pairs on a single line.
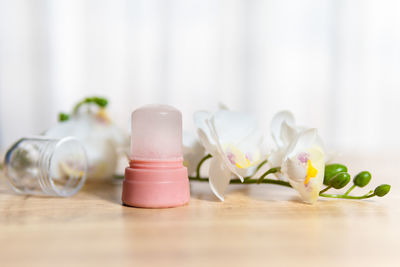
[[257, 225]]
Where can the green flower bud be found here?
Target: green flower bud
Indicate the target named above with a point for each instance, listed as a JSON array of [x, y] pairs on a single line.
[[63, 117], [362, 179], [382, 190], [340, 180], [331, 170]]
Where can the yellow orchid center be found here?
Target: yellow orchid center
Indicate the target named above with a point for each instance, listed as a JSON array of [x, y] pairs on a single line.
[[103, 116], [247, 164], [237, 157], [311, 172]]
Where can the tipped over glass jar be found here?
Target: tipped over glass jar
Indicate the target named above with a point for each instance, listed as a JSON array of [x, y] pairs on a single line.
[[43, 166]]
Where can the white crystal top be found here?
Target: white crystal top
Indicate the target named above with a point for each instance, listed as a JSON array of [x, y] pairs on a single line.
[[156, 133]]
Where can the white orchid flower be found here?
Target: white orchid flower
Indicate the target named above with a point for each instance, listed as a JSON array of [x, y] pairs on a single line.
[[103, 141], [300, 153], [193, 152], [234, 141], [304, 165]]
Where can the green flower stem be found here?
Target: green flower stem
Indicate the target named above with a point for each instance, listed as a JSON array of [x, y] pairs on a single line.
[[370, 192], [119, 176], [350, 189], [264, 181], [201, 163], [78, 105], [345, 196], [101, 102], [248, 181], [325, 189], [198, 179], [257, 169], [272, 170]]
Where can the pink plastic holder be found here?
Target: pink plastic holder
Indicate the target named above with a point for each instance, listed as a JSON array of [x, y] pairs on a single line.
[[156, 177]]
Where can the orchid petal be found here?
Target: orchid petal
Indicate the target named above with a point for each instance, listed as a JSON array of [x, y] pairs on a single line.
[[303, 141], [221, 152], [206, 142], [220, 177], [232, 127], [288, 134], [200, 119], [276, 125], [275, 158]]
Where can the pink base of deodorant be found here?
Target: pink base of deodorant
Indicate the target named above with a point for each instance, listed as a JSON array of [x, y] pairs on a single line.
[[159, 184]]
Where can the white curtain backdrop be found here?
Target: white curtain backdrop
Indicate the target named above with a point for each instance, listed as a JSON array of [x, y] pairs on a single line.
[[334, 63]]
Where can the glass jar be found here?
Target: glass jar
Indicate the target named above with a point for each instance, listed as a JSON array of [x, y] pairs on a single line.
[[43, 166]]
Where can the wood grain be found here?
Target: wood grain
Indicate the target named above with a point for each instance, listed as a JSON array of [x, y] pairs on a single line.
[[257, 225]]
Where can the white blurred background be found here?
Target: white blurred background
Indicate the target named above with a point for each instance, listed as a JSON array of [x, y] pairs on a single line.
[[334, 63]]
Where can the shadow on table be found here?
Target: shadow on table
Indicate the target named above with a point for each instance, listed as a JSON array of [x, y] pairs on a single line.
[[107, 189], [202, 191]]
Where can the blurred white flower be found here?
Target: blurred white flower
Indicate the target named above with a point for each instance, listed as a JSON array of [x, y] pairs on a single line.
[[235, 142], [193, 152], [300, 153], [103, 141]]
